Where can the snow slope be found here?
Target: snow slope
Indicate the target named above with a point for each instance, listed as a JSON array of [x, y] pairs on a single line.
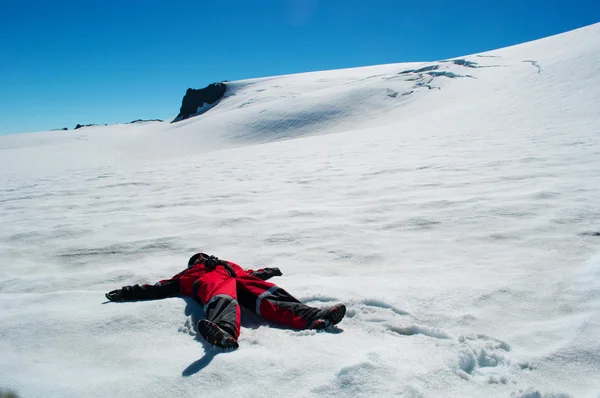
[[452, 205]]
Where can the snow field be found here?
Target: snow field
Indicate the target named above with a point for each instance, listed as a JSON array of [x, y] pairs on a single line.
[[457, 223]]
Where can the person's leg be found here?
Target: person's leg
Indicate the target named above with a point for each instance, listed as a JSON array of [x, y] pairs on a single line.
[[278, 306], [216, 291]]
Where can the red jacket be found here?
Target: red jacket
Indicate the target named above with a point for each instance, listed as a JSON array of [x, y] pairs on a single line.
[[183, 282]]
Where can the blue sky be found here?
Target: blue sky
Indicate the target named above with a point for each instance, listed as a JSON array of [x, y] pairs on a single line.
[[69, 62]]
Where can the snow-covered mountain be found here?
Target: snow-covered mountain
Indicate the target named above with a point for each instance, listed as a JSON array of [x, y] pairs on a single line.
[[452, 205]]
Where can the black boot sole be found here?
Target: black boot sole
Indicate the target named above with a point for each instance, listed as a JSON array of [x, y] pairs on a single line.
[[330, 317], [216, 336], [335, 317]]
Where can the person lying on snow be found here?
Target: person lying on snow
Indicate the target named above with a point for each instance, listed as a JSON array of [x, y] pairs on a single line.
[[221, 287]]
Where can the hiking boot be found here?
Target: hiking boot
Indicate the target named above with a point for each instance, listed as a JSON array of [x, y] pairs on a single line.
[[330, 316], [319, 324], [216, 336]]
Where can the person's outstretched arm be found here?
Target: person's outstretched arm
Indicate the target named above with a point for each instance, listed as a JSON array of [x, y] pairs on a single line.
[[162, 289], [265, 273]]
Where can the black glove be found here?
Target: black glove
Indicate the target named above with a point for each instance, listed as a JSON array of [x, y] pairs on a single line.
[[266, 273], [274, 271], [119, 294]]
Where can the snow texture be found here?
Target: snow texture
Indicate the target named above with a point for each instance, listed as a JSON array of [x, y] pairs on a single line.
[[453, 206]]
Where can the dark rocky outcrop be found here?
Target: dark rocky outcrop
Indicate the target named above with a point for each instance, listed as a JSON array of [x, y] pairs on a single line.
[[463, 62], [86, 125], [64, 128], [195, 99], [423, 69], [145, 120], [591, 233]]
